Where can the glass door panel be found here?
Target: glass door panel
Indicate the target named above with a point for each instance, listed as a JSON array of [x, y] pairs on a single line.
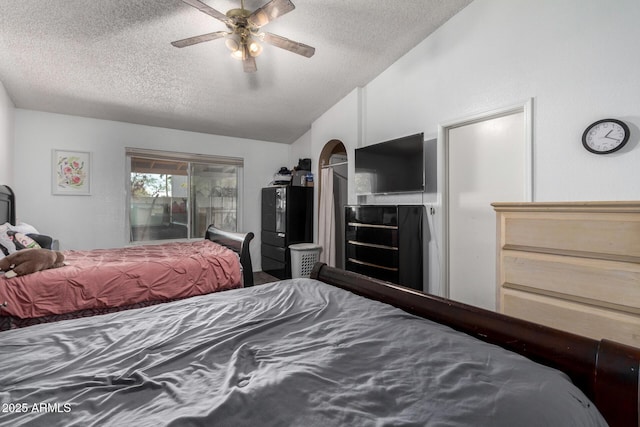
[[214, 195], [157, 201]]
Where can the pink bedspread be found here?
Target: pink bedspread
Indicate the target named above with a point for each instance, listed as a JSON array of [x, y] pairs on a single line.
[[116, 277]]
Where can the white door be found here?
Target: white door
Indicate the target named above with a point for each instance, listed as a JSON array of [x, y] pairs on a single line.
[[487, 161]]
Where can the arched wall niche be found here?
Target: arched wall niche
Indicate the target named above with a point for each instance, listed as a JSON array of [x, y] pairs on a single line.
[[340, 190], [331, 148]]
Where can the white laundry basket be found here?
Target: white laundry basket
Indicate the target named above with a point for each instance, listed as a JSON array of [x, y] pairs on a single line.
[[303, 257]]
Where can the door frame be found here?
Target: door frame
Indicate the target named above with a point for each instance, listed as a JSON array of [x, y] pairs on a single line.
[[525, 107]]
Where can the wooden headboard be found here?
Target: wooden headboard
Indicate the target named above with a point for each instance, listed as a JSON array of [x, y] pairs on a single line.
[[573, 266], [7, 205]]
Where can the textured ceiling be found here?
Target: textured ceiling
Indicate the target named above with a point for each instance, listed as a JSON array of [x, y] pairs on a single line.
[[112, 59]]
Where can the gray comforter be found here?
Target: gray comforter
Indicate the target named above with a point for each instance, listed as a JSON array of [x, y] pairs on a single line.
[[292, 353]]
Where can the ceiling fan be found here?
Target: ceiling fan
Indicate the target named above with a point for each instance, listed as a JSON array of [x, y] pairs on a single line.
[[244, 32]]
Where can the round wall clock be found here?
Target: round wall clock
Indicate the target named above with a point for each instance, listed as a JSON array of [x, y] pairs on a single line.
[[605, 136]]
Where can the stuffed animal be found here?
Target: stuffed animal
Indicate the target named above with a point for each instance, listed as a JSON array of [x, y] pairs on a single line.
[[28, 261]]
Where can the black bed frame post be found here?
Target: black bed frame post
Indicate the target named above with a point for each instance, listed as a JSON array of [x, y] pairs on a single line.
[[606, 371]]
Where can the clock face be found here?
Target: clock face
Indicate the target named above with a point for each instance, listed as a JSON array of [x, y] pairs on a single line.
[[605, 136]]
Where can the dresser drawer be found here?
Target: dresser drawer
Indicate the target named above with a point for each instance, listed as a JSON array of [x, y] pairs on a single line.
[[377, 235], [275, 268], [272, 238], [378, 256], [581, 319], [597, 282], [388, 275], [596, 234], [274, 252], [372, 215]]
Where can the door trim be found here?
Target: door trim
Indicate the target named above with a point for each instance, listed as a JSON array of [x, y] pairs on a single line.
[[526, 108]]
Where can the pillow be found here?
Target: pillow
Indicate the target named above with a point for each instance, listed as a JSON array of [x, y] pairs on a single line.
[[24, 228], [5, 240], [45, 242], [22, 241], [8, 239]]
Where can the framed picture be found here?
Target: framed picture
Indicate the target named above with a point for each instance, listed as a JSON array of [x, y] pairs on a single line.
[[71, 173]]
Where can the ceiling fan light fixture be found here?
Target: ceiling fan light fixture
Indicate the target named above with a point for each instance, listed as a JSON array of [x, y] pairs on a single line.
[[244, 38], [233, 43], [254, 48], [238, 54], [242, 54]]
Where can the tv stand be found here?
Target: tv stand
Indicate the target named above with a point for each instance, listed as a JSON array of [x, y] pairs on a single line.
[[385, 242]]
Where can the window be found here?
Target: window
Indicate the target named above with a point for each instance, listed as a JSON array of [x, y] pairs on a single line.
[[177, 196]]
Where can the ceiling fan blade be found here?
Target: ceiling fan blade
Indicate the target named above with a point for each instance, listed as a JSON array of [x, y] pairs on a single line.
[[249, 64], [269, 12], [199, 39], [290, 45], [208, 10]]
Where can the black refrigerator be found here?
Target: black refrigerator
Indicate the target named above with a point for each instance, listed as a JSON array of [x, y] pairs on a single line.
[[287, 218]]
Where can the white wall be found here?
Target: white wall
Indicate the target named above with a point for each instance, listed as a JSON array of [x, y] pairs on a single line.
[[301, 150], [572, 56], [575, 58], [7, 113], [98, 221], [341, 122]]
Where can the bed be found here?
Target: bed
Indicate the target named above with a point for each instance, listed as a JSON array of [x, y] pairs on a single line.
[[103, 280], [336, 349]]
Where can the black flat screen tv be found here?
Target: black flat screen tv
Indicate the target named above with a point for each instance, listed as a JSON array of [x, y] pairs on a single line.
[[395, 166]]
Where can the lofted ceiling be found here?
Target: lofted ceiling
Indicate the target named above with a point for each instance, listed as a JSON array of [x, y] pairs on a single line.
[[112, 59]]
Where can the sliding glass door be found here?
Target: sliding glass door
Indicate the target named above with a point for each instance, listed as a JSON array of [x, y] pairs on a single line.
[[177, 196]]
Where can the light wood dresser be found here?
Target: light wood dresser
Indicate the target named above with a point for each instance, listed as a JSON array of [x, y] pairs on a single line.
[[573, 266]]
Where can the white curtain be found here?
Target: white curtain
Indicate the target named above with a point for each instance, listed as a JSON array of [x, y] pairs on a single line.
[[326, 219]]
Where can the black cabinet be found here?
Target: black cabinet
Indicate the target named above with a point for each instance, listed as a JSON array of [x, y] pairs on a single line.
[[287, 218], [385, 242]]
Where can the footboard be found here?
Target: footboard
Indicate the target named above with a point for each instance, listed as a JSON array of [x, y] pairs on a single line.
[[237, 242], [606, 371]]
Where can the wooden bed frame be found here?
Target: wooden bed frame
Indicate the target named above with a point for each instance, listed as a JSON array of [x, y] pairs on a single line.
[[606, 371]]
